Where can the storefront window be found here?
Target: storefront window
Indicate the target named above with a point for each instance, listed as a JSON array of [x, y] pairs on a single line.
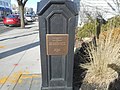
[[6, 4], [0, 2], [5, 8]]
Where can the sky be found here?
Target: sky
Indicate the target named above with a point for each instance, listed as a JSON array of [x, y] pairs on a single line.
[[30, 4]]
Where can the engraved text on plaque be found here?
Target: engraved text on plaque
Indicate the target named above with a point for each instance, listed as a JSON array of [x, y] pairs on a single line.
[[57, 44]]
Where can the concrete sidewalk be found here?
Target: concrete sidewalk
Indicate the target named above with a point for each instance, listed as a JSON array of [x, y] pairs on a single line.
[[19, 54]]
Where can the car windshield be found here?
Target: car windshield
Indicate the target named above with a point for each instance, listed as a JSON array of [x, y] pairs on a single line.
[[12, 16]]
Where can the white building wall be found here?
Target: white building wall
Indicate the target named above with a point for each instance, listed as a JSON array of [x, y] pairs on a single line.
[[94, 6], [101, 6]]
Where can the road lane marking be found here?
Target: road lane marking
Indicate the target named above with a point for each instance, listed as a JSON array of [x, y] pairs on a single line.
[[2, 46], [21, 75], [13, 78]]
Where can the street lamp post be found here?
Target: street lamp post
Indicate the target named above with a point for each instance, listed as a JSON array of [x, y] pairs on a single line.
[[57, 22]]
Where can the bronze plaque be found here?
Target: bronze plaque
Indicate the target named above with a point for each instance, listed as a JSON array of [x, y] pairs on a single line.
[[57, 44]]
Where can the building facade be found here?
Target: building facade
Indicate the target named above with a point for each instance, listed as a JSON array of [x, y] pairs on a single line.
[[95, 8], [15, 9], [30, 11], [5, 7]]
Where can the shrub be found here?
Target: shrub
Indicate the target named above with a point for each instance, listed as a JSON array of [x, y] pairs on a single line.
[[104, 59], [89, 28]]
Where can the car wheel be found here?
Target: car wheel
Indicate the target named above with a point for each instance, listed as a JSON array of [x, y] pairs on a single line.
[[6, 25]]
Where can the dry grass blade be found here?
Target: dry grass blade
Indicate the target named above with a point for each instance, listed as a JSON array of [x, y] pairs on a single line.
[[106, 53]]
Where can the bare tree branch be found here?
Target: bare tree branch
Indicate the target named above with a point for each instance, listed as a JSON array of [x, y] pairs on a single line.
[[19, 2], [111, 6], [25, 1], [117, 5], [22, 2]]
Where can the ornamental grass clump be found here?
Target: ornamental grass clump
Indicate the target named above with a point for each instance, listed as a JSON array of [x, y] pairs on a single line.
[[104, 58]]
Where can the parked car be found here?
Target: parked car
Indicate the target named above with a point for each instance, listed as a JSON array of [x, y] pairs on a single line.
[[30, 17], [12, 19]]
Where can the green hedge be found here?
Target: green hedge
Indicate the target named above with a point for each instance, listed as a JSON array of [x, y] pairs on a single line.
[[89, 28]]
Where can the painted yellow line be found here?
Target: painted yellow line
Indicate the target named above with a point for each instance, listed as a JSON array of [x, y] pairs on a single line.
[[28, 77], [13, 78], [17, 75], [2, 80], [2, 46]]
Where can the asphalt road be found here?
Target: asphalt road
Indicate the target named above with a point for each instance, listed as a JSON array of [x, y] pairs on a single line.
[[4, 28]]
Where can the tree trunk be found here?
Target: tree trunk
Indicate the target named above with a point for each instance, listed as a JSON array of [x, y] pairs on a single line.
[[22, 16], [98, 30]]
